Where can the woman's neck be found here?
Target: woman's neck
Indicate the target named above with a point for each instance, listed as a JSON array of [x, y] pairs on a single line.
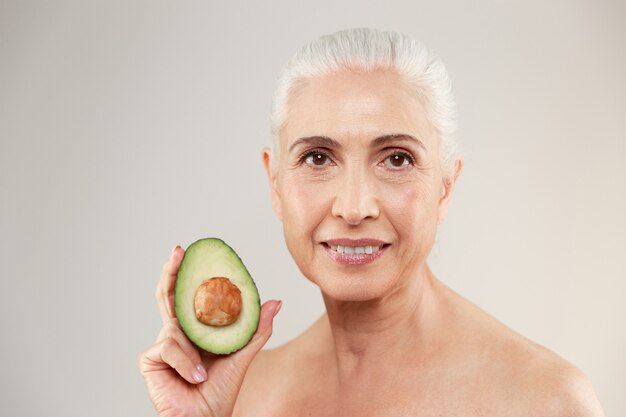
[[372, 336]]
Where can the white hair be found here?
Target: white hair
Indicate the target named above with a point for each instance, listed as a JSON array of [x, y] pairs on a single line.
[[364, 49]]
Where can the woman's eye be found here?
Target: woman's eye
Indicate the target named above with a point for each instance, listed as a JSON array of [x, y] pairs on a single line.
[[317, 159], [398, 160]]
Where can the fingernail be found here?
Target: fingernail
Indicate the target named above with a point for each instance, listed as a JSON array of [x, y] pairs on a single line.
[[202, 371], [280, 304], [174, 254], [197, 376]]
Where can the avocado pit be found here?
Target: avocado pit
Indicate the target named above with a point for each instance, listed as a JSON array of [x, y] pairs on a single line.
[[217, 302]]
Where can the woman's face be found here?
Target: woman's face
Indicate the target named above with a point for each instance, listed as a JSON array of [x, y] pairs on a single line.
[[358, 184]]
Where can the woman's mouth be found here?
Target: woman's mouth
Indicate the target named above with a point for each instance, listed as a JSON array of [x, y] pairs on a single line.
[[354, 251]]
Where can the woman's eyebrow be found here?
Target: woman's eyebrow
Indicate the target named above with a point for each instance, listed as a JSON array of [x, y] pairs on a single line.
[[396, 137], [326, 142], [317, 141]]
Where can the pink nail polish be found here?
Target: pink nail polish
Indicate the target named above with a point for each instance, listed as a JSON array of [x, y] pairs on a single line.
[[197, 376], [280, 304], [202, 371]]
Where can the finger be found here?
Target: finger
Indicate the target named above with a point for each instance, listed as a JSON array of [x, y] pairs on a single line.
[[168, 354], [269, 310], [173, 330], [167, 284]]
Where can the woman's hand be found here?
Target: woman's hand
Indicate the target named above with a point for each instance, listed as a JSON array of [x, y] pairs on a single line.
[[185, 381]]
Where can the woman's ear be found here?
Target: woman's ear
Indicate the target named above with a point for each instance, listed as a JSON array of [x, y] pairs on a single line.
[[271, 177], [448, 186]]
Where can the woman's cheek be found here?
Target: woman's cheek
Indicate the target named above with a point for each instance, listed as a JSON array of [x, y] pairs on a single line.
[[306, 193], [303, 211], [411, 207], [402, 198]]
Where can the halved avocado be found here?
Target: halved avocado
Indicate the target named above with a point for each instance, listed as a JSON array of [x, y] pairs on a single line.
[[216, 300]]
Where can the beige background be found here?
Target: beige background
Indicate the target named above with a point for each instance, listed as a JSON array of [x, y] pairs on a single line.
[[127, 127]]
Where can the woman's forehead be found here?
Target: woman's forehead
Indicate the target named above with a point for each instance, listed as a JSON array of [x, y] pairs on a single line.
[[349, 104]]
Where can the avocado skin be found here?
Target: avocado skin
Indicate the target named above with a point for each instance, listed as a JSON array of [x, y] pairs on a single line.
[[204, 259]]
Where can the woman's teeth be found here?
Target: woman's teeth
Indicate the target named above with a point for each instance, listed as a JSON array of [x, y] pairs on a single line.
[[355, 249]]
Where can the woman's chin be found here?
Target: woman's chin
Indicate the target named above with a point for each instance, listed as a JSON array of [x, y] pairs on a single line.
[[351, 290]]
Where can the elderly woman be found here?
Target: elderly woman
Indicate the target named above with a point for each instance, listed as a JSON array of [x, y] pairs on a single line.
[[361, 173]]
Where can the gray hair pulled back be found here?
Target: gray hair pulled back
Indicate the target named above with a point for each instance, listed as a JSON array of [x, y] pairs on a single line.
[[365, 49]]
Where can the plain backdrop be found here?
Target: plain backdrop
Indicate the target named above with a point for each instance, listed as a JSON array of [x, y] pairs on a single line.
[[127, 127]]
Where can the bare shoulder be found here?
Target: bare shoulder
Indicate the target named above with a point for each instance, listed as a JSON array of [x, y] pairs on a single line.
[[275, 374], [569, 393], [548, 384], [522, 374], [264, 382]]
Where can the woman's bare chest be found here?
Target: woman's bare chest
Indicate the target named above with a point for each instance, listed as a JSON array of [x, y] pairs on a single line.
[[439, 396]]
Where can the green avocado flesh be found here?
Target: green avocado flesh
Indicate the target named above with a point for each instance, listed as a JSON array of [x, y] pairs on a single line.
[[205, 259]]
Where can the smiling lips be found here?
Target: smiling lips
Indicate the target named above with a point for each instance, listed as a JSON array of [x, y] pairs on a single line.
[[354, 251]]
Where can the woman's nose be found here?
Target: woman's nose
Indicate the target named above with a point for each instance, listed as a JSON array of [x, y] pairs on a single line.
[[355, 199]]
